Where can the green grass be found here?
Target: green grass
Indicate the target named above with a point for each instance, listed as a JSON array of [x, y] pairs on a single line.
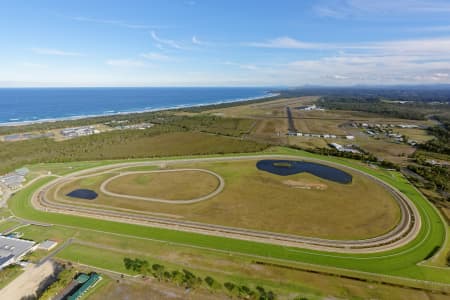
[[268, 201], [4, 213], [399, 262], [8, 224], [87, 255]]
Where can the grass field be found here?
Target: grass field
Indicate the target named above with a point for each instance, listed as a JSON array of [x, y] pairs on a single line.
[[256, 199], [165, 185], [393, 265], [216, 264], [8, 225], [284, 282]]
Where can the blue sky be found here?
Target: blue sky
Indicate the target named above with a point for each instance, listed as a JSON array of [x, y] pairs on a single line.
[[224, 43]]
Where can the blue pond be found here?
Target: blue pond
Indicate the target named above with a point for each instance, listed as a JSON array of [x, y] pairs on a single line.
[[291, 167], [83, 194]]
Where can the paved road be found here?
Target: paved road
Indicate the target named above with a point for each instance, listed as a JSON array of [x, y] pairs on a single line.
[[404, 232]]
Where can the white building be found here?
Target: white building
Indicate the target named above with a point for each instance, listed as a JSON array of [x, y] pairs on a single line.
[[47, 245], [336, 146], [12, 250]]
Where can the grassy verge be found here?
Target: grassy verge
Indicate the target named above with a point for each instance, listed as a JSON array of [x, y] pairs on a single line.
[[8, 224]]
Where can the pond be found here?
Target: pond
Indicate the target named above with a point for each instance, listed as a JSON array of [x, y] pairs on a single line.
[[83, 194], [291, 167]]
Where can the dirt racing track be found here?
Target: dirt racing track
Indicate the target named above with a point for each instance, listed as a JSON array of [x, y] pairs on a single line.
[[405, 231]]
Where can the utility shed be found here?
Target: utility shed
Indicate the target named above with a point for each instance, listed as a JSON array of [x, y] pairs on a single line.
[[87, 283], [47, 245]]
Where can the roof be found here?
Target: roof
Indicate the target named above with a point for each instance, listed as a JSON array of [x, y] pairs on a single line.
[[47, 245], [12, 247], [93, 278], [22, 171], [82, 278]]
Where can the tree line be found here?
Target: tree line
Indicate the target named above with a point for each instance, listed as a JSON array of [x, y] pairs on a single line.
[[189, 280]]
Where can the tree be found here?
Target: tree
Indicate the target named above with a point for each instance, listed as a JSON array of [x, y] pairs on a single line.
[[212, 283], [158, 271]]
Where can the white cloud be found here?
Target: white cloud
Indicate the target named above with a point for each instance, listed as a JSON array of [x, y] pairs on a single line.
[[368, 69], [339, 77], [242, 66], [441, 76], [55, 52], [286, 43], [127, 63], [363, 8], [115, 22], [425, 47], [197, 41], [155, 56], [166, 42]]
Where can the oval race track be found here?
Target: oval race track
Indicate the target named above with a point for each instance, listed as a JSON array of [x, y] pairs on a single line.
[[404, 232]]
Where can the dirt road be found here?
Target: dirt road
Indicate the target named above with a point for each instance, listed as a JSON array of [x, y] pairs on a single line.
[[28, 282]]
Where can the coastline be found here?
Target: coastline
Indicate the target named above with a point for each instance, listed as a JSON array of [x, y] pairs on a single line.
[[111, 113]]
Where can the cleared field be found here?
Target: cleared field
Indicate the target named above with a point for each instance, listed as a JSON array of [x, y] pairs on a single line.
[[182, 184], [419, 135], [264, 109], [385, 149], [254, 199], [308, 142], [320, 126]]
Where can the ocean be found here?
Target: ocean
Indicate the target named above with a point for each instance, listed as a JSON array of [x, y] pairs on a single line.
[[29, 105]]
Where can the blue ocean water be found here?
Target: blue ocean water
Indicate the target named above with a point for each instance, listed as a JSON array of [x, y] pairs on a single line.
[[19, 105]]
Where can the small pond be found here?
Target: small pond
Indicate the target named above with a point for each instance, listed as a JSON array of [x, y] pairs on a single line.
[[291, 167], [83, 194]]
